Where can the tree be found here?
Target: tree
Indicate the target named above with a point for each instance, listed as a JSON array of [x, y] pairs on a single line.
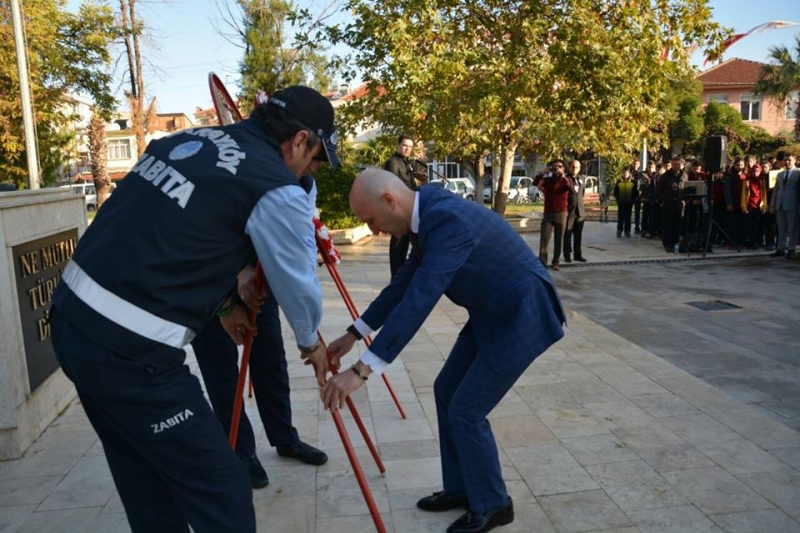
[[98, 156], [274, 57], [142, 114], [780, 78], [548, 76], [66, 53]]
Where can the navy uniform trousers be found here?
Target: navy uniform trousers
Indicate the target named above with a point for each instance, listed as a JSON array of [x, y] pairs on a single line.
[[171, 463], [218, 358]]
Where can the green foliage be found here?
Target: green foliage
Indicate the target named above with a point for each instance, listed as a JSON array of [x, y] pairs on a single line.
[[685, 106], [375, 152], [781, 76], [333, 191], [274, 58], [66, 53], [722, 119], [546, 76]]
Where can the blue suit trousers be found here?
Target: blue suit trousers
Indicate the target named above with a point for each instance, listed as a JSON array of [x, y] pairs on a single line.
[[466, 391]]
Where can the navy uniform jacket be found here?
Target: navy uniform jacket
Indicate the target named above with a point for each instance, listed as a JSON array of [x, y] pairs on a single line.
[[163, 253], [476, 259]]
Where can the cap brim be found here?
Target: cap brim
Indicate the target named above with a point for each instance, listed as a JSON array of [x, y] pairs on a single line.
[[329, 155]]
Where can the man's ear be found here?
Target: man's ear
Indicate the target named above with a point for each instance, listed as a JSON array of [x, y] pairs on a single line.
[[389, 200]]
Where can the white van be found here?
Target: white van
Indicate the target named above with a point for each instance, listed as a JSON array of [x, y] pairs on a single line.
[[88, 192]]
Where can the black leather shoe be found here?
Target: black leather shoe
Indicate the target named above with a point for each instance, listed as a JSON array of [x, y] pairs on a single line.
[[580, 258], [258, 476], [472, 522], [442, 501], [567, 259], [303, 452]]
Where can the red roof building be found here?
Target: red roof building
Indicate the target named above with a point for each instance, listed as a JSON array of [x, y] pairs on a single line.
[[732, 82]]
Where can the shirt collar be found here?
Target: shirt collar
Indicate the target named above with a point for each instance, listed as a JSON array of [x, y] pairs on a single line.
[[415, 214]]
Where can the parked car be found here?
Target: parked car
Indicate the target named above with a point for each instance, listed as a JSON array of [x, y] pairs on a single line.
[[88, 192], [518, 183], [460, 186]]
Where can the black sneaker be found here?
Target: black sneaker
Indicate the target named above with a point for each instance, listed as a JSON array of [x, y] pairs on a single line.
[[567, 259], [258, 476], [580, 258], [303, 452]]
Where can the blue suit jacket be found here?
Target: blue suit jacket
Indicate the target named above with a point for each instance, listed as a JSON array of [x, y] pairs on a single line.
[[474, 257]]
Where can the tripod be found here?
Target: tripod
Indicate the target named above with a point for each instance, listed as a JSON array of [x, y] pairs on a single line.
[[713, 224]]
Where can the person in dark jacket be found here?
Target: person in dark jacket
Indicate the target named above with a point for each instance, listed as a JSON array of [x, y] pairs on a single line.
[[626, 193], [400, 165], [576, 212], [157, 264], [669, 193]]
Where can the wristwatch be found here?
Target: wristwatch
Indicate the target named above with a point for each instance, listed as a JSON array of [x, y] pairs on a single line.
[[308, 349], [352, 329]]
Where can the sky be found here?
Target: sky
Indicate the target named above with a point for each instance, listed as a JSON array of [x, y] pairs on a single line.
[[187, 44]]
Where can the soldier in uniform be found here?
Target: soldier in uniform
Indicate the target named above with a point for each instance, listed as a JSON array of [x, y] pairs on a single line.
[[158, 262]]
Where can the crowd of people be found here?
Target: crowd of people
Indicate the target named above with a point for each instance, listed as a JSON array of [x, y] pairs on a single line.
[[748, 205]]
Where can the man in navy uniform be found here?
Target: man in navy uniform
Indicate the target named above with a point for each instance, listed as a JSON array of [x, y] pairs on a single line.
[[159, 261], [472, 256]]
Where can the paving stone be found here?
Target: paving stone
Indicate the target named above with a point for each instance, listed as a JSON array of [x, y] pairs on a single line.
[[27, 490], [634, 485], [622, 414], [598, 449], [682, 519], [675, 457], [60, 521], [715, 491], [550, 469], [572, 422], [663, 404], [788, 455], [278, 515], [770, 521], [699, 429], [11, 518], [88, 484], [739, 456], [521, 431], [782, 488], [583, 511], [414, 520]]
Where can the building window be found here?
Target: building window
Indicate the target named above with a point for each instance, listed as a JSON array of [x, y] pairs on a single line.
[[791, 105], [750, 106], [119, 149], [718, 98]]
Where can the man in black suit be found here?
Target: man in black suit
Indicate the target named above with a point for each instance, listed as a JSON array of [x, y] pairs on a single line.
[[576, 213], [400, 165]]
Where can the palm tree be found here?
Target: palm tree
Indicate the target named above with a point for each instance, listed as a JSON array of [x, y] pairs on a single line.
[[780, 79]]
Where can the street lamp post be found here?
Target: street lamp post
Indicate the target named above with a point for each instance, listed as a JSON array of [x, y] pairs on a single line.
[[25, 94]]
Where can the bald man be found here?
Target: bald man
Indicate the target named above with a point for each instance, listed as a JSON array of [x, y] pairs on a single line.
[[471, 255]]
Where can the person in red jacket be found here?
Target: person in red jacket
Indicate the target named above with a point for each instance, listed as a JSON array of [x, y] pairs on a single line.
[[556, 187]]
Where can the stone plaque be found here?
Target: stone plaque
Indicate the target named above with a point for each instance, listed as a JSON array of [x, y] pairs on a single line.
[[37, 269]]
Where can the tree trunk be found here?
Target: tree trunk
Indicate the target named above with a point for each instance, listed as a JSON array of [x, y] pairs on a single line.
[[136, 95], [507, 164], [98, 154]]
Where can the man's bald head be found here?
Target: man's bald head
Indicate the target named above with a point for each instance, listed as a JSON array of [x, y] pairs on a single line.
[[382, 200]]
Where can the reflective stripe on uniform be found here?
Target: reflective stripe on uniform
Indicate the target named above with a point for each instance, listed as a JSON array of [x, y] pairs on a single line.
[[122, 312]]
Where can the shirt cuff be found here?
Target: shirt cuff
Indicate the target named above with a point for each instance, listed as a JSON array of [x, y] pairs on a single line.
[[362, 328], [375, 363]]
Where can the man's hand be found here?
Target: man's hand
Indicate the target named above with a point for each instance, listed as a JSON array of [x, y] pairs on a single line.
[[237, 324], [730, 208], [318, 358], [338, 388], [246, 281], [340, 347]]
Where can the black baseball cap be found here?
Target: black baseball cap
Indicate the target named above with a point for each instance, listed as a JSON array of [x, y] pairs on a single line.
[[313, 110]]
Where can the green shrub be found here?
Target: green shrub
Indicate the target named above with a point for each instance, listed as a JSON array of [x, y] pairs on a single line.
[[333, 190]]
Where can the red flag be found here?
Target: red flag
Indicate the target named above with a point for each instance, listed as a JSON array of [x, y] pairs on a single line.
[[772, 25]]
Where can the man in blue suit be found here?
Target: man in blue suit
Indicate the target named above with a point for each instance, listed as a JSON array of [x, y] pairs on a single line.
[[468, 253]]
